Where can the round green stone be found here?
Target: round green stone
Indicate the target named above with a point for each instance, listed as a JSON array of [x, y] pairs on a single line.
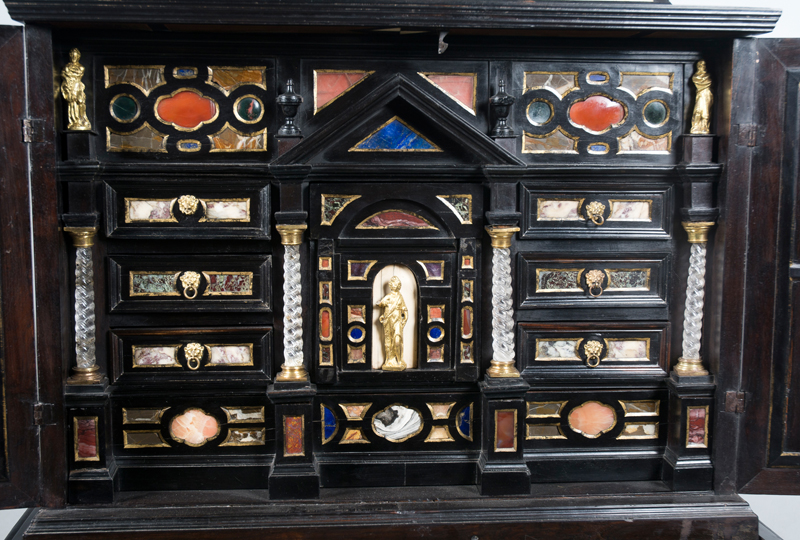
[[124, 108], [249, 109], [539, 112], [655, 113]]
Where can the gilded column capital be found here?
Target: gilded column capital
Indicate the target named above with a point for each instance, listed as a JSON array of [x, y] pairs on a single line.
[[82, 237], [501, 235], [291, 235], [697, 230]]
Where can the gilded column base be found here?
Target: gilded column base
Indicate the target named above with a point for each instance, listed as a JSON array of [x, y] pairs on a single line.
[[502, 370], [90, 375], [690, 367], [292, 374]]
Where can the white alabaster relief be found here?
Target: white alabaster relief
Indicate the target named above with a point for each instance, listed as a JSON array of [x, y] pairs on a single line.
[[225, 210], [502, 307], [292, 310], [84, 309], [695, 291]]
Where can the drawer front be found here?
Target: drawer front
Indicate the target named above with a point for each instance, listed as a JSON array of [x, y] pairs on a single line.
[[636, 280], [592, 419], [590, 351], [193, 356], [197, 210], [597, 212], [193, 425], [192, 283]]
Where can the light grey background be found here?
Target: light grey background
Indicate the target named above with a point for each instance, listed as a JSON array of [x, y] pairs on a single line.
[[780, 513]]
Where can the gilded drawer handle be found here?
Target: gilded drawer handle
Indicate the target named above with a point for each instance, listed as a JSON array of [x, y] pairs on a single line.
[[191, 283], [188, 204], [594, 212], [194, 353], [593, 350], [594, 282]]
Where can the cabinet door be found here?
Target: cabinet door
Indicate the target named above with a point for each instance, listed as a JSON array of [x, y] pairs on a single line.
[[764, 203], [19, 447]]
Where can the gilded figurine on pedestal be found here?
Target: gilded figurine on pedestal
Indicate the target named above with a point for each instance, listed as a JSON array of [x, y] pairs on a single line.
[[73, 90], [701, 119], [393, 319]]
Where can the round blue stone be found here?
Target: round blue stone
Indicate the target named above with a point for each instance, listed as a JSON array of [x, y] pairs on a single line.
[[435, 332], [356, 333]]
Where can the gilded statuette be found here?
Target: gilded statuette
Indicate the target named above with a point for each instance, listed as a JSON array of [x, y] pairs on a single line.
[[594, 282], [701, 119], [594, 212], [191, 283], [393, 319], [73, 90]]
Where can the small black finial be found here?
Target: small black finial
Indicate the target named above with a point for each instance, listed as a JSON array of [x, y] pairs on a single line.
[[501, 105], [289, 103]]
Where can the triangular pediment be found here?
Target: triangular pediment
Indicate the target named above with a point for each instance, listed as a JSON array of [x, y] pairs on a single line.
[[397, 124]]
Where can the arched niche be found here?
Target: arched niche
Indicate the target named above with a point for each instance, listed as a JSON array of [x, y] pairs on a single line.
[[410, 293]]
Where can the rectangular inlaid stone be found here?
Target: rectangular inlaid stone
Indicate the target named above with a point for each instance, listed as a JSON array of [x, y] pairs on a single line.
[[557, 280], [696, 436], [227, 210], [628, 280], [154, 283], [228, 284], [149, 211], [559, 210], [557, 349], [86, 439], [544, 431], [630, 211], [230, 354], [293, 436], [505, 436], [639, 430], [627, 349], [155, 356], [244, 437]]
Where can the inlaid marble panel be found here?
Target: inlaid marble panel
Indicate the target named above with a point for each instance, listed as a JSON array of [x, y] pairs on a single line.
[[640, 407], [230, 354], [597, 114], [155, 356], [86, 439], [230, 139], [144, 439], [356, 354], [326, 293], [628, 349], [227, 210], [244, 415], [142, 416], [330, 85], [325, 324], [466, 290], [697, 435], [636, 142], [333, 205], [244, 437], [229, 79], [639, 430], [154, 283], [143, 139], [466, 322], [356, 314], [592, 419], [441, 411], [557, 141], [467, 353], [194, 427], [559, 209], [395, 219], [326, 355], [353, 436], [434, 270], [461, 87], [228, 283], [559, 83], [355, 411], [566, 280], [637, 84], [544, 431], [149, 210], [359, 270], [505, 435], [186, 110], [435, 353], [145, 78], [557, 349], [461, 206], [439, 434], [630, 211], [545, 409], [293, 429], [628, 280]]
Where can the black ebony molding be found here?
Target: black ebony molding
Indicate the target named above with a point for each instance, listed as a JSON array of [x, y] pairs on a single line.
[[436, 14]]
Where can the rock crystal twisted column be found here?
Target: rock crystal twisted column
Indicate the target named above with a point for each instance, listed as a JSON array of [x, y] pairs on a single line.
[[503, 357], [690, 363], [87, 370], [292, 368]]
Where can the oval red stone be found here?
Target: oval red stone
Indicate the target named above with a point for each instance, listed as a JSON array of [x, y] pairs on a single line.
[[325, 324], [597, 113], [187, 109]]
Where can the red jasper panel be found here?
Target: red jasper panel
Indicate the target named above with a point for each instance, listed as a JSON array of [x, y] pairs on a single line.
[[329, 86], [187, 109], [697, 425], [393, 219], [597, 113], [459, 87], [506, 431], [87, 438], [466, 324], [325, 324], [293, 436]]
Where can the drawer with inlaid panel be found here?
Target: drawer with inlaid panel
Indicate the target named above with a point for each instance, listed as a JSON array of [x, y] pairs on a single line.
[[599, 280], [593, 350], [197, 210], [597, 211], [189, 283], [191, 355], [595, 435]]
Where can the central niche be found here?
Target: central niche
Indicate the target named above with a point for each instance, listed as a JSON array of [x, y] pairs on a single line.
[[394, 299]]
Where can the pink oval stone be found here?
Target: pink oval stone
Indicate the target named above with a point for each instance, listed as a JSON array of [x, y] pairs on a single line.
[[597, 113], [194, 427], [592, 419]]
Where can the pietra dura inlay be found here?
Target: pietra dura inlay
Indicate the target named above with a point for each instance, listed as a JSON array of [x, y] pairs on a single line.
[[186, 110], [557, 349], [592, 419], [329, 424], [458, 86], [505, 438], [145, 78], [630, 211], [559, 83], [628, 349], [395, 136], [544, 431], [86, 439], [628, 279], [557, 280], [150, 210], [155, 356], [142, 139], [194, 427], [639, 430], [559, 209], [235, 284], [230, 139], [397, 423], [637, 84], [557, 141], [330, 85], [696, 436], [221, 210], [636, 142], [154, 284], [464, 422], [395, 219], [229, 79], [244, 437], [293, 436], [230, 354], [597, 114]]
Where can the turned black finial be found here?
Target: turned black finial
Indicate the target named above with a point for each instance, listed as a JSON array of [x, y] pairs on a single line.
[[501, 105], [289, 103]]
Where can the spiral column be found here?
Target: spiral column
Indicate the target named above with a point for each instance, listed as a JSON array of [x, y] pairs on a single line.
[[86, 370], [503, 357], [292, 368], [690, 363]]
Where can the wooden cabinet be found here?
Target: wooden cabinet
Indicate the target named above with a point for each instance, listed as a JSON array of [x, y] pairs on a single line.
[[410, 270]]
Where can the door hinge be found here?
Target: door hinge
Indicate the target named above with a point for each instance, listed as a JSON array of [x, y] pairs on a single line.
[[43, 414], [748, 135], [33, 130], [734, 402]]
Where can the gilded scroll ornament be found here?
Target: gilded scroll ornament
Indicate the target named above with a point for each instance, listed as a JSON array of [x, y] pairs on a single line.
[[701, 119], [594, 212], [594, 282], [191, 283], [194, 353], [73, 90], [393, 319], [188, 204]]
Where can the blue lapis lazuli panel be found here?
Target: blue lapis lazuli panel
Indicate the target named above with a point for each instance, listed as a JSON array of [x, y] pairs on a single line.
[[463, 421], [329, 422], [395, 136], [356, 333], [436, 332]]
